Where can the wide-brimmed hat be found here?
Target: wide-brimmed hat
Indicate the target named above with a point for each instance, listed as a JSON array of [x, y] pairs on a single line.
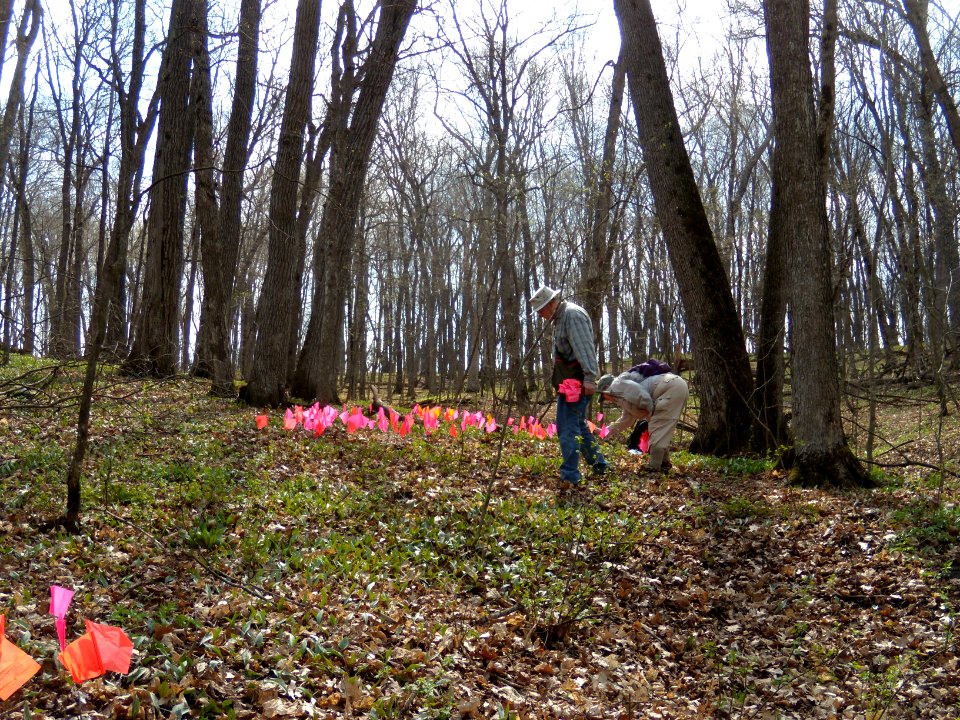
[[542, 297], [604, 383]]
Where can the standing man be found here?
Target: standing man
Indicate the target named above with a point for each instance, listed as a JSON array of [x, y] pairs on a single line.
[[574, 357], [658, 398]]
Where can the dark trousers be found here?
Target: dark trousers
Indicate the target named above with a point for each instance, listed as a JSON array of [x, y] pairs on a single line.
[[633, 443]]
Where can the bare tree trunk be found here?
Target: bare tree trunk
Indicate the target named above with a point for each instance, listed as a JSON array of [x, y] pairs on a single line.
[[267, 384], [134, 136], [221, 241], [724, 381], [6, 317], [28, 270], [6, 15], [193, 262], [945, 274], [595, 282], [156, 336], [22, 219], [357, 357], [822, 456], [26, 35], [916, 15], [338, 226]]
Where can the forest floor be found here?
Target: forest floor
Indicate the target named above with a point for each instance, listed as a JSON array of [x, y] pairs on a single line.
[[276, 574]]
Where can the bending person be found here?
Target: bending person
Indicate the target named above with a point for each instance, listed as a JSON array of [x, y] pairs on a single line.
[[658, 399]]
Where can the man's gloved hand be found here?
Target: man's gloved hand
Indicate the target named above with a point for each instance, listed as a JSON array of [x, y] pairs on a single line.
[[589, 387]]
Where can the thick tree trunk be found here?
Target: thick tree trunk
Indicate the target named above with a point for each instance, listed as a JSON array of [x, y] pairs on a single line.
[[771, 340], [723, 379], [315, 377], [267, 383], [28, 269], [221, 243], [156, 336], [821, 456]]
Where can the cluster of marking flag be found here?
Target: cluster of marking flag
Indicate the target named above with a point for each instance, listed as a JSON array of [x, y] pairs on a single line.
[[100, 649], [317, 419]]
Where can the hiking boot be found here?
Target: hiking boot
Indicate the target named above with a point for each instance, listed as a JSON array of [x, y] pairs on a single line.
[[658, 461], [650, 470]]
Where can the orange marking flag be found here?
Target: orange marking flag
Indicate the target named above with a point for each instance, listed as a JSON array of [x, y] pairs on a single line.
[[16, 667], [99, 649]]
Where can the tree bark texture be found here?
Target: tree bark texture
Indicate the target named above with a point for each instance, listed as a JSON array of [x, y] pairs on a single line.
[[135, 132], [724, 380], [267, 383], [916, 15], [821, 456], [156, 336], [316, 376], [221, 229], [595, 283]]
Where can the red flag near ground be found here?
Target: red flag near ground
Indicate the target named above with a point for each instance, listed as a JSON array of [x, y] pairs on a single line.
[[16, 667], [113, 645], [81, 659], [100, 649]]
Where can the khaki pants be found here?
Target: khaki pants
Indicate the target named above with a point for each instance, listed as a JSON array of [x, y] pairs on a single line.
[[670, 395]]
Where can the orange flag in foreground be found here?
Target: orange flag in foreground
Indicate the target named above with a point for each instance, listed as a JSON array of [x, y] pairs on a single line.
[[16, 667], [99, 649]]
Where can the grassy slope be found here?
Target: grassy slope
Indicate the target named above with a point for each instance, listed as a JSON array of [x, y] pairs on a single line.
[[269, 573]]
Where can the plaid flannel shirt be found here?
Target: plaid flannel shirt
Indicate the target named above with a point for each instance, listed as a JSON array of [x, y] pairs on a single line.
[[573, 338]]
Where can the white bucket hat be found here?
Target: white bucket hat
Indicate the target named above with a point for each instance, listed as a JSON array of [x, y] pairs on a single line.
[[542, 297]]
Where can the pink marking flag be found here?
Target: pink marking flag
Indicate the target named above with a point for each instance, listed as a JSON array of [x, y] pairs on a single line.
[[289, 421], [382, 421], [356, 420], [570, 388], [16, 667], [60, 599], [310, 418], [100, 649]]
